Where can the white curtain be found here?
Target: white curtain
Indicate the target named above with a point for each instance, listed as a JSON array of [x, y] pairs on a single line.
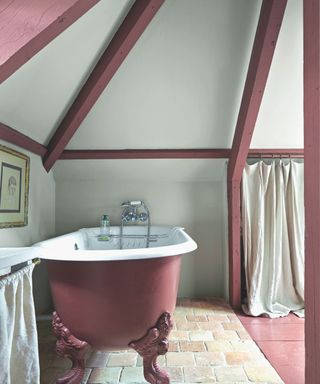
[[273, 237], [19, 359]]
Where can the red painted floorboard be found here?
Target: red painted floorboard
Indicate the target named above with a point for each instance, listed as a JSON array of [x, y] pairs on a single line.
[[282, 342], [291, 319], [275, 332], [287, 358]]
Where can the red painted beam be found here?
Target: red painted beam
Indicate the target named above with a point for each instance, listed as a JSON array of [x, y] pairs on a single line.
[[192, 153], [145, 154], [26, 26], [129, 32], [312, 187], [14, 137], [270, 20], [268, 28]]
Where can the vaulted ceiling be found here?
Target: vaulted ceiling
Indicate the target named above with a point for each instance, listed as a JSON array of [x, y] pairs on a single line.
[[179, 87]]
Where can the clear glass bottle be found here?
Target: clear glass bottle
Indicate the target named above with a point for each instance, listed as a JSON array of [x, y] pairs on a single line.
[[105, 226]]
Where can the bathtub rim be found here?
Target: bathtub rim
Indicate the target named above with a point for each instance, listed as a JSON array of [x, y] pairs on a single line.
[[48, 253]]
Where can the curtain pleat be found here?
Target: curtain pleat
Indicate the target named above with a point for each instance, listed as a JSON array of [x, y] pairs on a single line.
[[19, 358], [273, 238]]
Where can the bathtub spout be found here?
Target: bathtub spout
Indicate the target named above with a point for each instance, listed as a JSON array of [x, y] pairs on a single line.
[[131, 215]]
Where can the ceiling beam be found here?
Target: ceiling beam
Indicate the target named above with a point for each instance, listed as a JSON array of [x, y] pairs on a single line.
[[269, 24], [145, 154], [271, 16], [123, 41], [311, 44], [191, 153], [28, 26], [14, 137]]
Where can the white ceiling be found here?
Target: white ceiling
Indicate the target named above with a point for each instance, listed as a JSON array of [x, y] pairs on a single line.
[[34, 99], [180, 86]]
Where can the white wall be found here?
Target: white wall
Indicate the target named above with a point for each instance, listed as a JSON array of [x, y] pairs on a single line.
[[280, 119], [180, 85], [41, 223], [186, 193]]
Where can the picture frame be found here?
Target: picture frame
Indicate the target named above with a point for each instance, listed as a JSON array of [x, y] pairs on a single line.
[[14, 188]]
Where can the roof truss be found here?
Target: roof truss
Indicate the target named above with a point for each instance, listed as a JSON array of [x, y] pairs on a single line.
[[125, 38], [271, 16], [28, 26], [12, 136]]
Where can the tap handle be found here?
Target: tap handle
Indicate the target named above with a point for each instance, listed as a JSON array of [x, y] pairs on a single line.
[[134, 203]]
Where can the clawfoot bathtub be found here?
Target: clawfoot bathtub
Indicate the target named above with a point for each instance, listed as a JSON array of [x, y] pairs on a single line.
[[111, 298]]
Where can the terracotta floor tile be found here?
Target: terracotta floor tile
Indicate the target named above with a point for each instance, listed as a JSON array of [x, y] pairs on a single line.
[[192, 346], [97, 359], [231, 374], [180, 359], [173, 346], [226, 335], [187, 326], [199, 375], [205, 347], [218, 346], [176, 374], [209, 358], [197, 318], [179, 335], [211, 326], [122, 360], [237, 358], [262, 373], [105, 375], [201, 335]]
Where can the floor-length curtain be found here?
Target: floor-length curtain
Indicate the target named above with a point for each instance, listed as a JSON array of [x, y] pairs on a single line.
[[273, 237], [19, 359]]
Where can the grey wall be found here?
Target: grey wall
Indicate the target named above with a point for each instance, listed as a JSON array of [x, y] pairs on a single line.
[[187, 193], [41, 224]]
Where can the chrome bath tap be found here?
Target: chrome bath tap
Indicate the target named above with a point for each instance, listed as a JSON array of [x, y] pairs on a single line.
[[132, 214]]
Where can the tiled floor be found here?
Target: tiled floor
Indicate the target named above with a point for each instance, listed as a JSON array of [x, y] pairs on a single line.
[[282, 342], [208, 344]]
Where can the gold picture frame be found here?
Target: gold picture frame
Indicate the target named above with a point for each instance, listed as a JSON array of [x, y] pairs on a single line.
[[14, 188]]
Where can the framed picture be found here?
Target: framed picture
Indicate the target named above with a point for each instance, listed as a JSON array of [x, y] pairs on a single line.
[[14, 188]]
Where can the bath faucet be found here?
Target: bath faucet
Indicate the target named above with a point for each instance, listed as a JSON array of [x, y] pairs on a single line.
[[131, 214]]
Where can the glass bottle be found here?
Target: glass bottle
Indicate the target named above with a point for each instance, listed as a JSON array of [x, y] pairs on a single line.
[[105, 226]]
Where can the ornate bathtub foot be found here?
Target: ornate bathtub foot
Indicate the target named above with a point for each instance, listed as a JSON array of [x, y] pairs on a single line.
[[71, 347], [150, 346]]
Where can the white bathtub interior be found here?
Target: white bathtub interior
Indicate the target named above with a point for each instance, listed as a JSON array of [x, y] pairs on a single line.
[[86, 244]]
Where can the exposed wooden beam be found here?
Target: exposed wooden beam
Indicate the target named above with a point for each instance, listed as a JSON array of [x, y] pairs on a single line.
[[146, 154], [312, 187], [14, 137], [125, 38], [270, 20], [268, 28], [28, 26], [192, 153]]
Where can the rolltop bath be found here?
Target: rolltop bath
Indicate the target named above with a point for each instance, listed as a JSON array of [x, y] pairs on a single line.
[[112, 298]]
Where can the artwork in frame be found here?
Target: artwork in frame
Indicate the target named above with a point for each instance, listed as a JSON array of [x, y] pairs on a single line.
[[14, 188]]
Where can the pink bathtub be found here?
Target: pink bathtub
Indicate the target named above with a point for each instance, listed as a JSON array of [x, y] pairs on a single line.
[[111, 298]]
